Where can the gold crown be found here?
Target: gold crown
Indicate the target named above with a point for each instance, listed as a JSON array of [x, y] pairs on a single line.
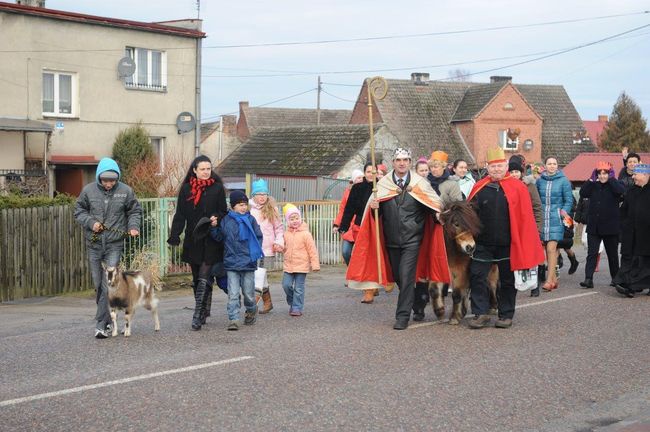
[[439, 156], [496, 155]]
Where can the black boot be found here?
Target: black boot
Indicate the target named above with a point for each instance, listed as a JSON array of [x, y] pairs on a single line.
[[199, 298], [560, 260], [574, 264], [207, 303], [541, 277], [587, 283]]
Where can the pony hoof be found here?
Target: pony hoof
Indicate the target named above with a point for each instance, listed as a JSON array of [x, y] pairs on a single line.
[[492, 311], [440, 313], [453, 321]]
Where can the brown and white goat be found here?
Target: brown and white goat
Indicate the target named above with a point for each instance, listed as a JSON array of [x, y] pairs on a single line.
[[126, 291]]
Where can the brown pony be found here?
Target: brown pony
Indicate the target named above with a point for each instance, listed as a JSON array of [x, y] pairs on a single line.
[[461, 225]]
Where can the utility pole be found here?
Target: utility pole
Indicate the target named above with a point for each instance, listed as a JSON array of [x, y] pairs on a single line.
[[318, 103]]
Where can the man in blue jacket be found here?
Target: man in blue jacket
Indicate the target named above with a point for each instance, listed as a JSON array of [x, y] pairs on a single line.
[[108, 211]]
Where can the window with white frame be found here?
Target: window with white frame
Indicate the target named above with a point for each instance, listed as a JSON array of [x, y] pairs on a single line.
[[158, 144], [506, 143], [150, 69], [59, 94]]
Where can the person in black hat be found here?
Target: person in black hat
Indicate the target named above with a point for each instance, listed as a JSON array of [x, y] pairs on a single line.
[[242, 239], [202, 195]]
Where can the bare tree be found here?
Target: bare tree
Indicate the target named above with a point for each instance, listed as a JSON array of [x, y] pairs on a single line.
[[458, 74]]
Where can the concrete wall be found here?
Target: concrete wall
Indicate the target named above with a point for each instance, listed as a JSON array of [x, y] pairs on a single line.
[[495, 118], [104, 106], [11, 149]]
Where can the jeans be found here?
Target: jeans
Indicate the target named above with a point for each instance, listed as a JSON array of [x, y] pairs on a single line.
[[346, 251], [109, 254], [240, 282], [294, 288]]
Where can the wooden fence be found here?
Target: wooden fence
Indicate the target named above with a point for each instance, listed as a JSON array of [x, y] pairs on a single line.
[[43, 252]]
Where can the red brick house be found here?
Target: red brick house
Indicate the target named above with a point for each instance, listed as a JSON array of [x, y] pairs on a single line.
[[595, 128], [464, 119]]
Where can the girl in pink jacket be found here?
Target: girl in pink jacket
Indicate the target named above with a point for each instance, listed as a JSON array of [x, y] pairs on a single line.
[[264, 210], [300, 257]]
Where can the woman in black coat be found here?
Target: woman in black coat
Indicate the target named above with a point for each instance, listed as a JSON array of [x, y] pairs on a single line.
[[202, 195], [635, 248], [604, 193]]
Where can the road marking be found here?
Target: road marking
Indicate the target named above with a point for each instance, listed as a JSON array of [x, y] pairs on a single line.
[[121, 381], [432, 323]]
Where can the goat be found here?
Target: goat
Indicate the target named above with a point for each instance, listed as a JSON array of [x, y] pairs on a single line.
[[126, 291]]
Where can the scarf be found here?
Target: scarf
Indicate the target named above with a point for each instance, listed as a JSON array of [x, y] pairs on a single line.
[[198, 186], [247, 233], [436, 181]]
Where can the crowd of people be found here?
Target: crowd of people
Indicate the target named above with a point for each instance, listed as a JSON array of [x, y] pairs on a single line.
[[526, 211]]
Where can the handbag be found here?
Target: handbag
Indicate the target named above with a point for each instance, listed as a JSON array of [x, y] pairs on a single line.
[[526, 279], [260, 278]]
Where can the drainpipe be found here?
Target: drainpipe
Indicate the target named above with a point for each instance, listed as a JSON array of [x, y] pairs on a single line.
[[197, 109]]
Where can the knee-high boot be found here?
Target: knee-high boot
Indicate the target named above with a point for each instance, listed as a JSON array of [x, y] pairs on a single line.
[[207, 303], [541, 277], [266, 298], [199, 298]]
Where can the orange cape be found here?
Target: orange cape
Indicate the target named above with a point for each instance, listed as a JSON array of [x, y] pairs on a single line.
[[432, 261], [526, 249]]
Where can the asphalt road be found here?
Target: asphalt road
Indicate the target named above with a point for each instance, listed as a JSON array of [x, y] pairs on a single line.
[[575, 360]]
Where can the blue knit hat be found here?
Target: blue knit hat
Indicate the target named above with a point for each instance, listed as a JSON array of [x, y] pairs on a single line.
[[260, 187], [237, 197], [642, 169]]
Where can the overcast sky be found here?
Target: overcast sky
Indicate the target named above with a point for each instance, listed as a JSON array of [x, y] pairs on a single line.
[[593, 76]]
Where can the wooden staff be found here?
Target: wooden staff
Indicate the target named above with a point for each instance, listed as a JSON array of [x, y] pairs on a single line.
[[377, 89]]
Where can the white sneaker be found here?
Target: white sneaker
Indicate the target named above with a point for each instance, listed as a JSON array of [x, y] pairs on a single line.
[[101, 334]]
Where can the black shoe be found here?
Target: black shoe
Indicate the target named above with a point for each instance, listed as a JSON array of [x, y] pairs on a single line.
[[418, 315], [612, 284], [587, 283], [625, 291], [574, 264], [560, 260], [401, 325], [534, 292]]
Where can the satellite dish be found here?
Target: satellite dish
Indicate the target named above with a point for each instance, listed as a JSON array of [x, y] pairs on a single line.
[[125, 67], [185, 122]]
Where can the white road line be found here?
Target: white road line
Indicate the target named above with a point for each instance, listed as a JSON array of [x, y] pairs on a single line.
[[431, 323], [120, 381]]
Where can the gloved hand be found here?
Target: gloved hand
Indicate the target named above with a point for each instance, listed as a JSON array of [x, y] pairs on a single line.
[[174, 241], [612, 174]]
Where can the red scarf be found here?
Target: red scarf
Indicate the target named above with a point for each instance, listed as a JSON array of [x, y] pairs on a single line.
[[525, 248], [198, 186]]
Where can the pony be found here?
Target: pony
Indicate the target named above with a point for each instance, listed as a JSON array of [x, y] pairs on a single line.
[[461, 225]]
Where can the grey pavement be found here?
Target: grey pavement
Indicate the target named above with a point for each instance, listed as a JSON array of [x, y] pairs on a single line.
[[577, 363]]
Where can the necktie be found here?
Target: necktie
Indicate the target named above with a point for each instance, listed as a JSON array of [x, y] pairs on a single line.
[[400, 183]]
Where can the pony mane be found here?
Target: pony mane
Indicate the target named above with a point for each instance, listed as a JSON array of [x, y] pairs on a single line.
[[463, 214]]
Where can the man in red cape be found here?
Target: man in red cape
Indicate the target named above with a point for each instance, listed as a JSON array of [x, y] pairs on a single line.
[[509, 239], [409, 240]]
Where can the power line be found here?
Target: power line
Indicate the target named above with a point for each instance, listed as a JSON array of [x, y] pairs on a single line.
[[265, 104], [417, 35]]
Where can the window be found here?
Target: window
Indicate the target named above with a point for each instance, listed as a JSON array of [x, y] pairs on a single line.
[[158, 144], [150, 69], [506, 142], [59, 94]]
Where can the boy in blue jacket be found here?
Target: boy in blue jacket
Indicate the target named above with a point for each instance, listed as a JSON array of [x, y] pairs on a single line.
[[242, 240]]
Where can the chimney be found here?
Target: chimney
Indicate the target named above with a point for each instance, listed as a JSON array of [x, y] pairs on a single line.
[[32, 3], [229, 124], [603, 118], [242, 106], [420, 78], [499, 78]]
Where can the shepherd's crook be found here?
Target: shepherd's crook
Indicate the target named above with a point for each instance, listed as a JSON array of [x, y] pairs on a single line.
[[377, 89]]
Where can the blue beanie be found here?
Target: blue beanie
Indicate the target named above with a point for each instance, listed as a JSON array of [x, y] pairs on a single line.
[[642, 169], [237, 197], [260, 187]]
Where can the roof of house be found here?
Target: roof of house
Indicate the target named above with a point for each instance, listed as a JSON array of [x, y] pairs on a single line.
[[296, 151], [261, 117], [23, 125], [580, 168], [208, 129], [421, 116], [594, 129], [98, 20]]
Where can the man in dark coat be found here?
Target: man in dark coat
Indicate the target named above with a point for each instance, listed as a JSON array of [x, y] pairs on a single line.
[[630, 160], [634, 275], [604, 193]]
